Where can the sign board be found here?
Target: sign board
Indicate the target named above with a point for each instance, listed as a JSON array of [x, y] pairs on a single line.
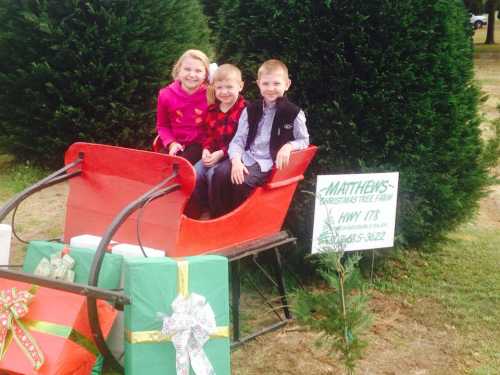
[[355, 211]]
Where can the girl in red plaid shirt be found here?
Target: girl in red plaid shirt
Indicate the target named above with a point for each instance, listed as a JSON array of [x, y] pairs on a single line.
[[219, 127]]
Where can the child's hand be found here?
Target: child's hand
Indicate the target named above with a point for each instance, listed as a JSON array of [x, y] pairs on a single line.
[[283, 156], [205, 155], [174, 148], [213, 158], [238, 171]]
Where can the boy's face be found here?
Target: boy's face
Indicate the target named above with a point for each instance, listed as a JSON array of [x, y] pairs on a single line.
[[227, 90], [192, 74], [273, 85]]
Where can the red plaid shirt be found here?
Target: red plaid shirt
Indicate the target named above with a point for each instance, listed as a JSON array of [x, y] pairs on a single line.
[[220, 127]]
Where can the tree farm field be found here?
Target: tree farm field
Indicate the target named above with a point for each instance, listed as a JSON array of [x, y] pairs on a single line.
[[435, 312]]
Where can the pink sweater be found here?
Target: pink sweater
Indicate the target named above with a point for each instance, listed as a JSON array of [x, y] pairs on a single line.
[[180, 115]]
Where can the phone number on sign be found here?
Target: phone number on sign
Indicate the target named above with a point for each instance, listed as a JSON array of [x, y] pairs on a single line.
[[362, 237]]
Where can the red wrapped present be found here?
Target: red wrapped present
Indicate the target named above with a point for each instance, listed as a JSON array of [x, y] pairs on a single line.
[[46, 331]]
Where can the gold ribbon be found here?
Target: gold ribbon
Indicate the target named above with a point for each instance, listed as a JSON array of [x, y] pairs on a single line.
[[183, 277], [140, 337], [65, 332]]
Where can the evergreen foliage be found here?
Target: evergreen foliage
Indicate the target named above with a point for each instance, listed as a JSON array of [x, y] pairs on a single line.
[[386, 85], [87, 70], [211, 10], [339, 311]]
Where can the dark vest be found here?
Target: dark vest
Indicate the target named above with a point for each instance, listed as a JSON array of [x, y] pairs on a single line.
[[282, 130]]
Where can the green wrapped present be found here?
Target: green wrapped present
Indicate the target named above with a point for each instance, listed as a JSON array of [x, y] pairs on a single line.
[[179, 316], [111, 269]]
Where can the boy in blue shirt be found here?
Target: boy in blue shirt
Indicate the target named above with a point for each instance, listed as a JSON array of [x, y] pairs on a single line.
[[269, 129]]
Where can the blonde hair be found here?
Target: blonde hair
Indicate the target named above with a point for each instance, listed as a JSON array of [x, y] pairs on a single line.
[[272, 66], [194, 54], [225, 71]]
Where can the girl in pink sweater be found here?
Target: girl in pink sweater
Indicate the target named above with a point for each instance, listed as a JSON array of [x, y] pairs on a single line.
[[182, 107]]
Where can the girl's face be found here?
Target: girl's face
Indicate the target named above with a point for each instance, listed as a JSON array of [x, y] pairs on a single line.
[[191, 74], [227, 91]]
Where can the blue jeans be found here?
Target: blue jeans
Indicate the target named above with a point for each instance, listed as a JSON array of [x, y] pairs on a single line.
[[203, 189]]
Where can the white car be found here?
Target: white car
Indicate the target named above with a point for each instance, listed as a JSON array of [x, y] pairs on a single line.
[[478, 21]]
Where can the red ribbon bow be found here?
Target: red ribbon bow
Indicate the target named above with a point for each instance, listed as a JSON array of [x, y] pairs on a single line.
[[13, 307]]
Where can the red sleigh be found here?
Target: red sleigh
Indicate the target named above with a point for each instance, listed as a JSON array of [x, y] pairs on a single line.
[[112, 177], [138, 197]]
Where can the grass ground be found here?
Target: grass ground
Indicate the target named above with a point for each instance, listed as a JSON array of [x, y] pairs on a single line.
[[458, 288], [435, 313], [38, 217]]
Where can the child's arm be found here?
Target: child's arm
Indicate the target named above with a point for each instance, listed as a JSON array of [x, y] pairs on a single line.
[[210, 136], [207, 142], [163, 121], [300, 142], [237, 148]]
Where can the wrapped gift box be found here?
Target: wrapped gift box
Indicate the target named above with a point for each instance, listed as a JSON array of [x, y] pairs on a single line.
[[153, 284], [109, 276], [58, 322]]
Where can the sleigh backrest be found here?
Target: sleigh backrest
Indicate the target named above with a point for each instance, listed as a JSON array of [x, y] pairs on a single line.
[[113, 177]]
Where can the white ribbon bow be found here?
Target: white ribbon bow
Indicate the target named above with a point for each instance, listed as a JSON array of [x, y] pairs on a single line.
[[190, 326], [59, 267], [212, 68]]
